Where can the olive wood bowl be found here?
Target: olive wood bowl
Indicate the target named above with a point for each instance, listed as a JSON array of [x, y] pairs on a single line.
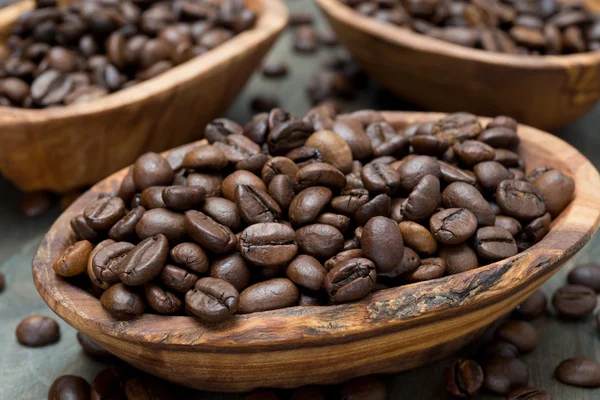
[[389, 331], [63, 148], [543, 91]]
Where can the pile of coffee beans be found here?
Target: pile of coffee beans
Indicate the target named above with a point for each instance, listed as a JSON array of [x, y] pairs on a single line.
[[78, 53], [505, 26], [316, 210]]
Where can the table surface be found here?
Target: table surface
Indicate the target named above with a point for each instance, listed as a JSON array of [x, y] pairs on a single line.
[[27, 373]]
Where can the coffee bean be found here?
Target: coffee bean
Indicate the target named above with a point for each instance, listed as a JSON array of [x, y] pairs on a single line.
[[305, 40], [146, 389], [218, 129], [579, 372], [528, 393], [423, 200], [508, 223], [333, 149], [350, 201], [122, 302], [574, 301], [51, 87], [520, 333], [288, 135], [538, 228], [74, 260], [490, 174], [380, 178], [191, 256], [463, 378], [308, 204], [208, 233], [208, 158], [275, 70], [253, 163], [223, 211], [238, 178], [459, 258], [353, 132], [351, 280], [145, 261], [256, 205], [320, 241], [300, 18], [472, 152], [587, 275], [319, 174], [457, 127], [307, 272], [500, 136], [450, 173], [556, 188], [106, 263], [93, 349], [520, 199], [177, 279], [161, 300], [463, 195], [276, 166], [503, 375], [418, 238], [233, 269], [37, 331], [338, 221], [341, 257], [69, 387], [414, 169], [268, 244], [152, 197], [498, 348], [212, 300], [162, 221], [366, 387], [151, 169], [494, 243], [453, 225], [82, 230], [268, 295], [430, 268], [533, 307], [378, 206], [124, 229], [507, 158], [108, 384], [281, 190]]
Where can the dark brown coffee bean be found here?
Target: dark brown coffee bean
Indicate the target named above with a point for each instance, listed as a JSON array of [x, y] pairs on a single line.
[[82, 230], [305, 39], [103, 213], [556, 188], [507, 158], [288, 135], [520, 199], [520, 333], [208, 157], [51, 87], [146, 389], [220, 128], [380, 178], [307, 272], [341, 257], [238, 178], [574, 301], [351, 280], [211, 183], [414, 169], [463, 378], [587, 275], [268, 295], [451, 173], [145, 261], [528, 393], [494, 243], [106, 263], [212, 300], [457, 127], [151, 197], [281, 190], [237, 147], [268, 244], [319, 174], [538, 228], [69, 387], [124, 229], [223, 211], [74, 260], [453, 225], [162, 221], [338, 221], [208, 233], [254, 163], [382, 243], [459, 258], [500, 136], [498, 348], [503, 375], [233, 269], [423, 200], [330, 147], [161, 300], [277, 166], [15, 89], [108, 384], [151, 169], [490, 174], [508, 223], [378, 206], [366, 388], [463, 195], [308, 204], [353, 132], [177, 279], [256, 205], [37, 331], [410, 262], [417, 237], [472, 152], [430, 268], [350, 201], [534, 306], [191, 256], [275, 70], [122, 302], [320, 241], [579, 372]]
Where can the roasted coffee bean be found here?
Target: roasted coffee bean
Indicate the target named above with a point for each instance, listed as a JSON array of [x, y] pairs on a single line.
[[508, 223], [208, 233], [382, 243], [555, 187], [351, 280], [574, 301], [69, 387], [338, 221], [152, 197], [341, 257], [307, 272], [332, 148], [499, 136], [256, 205], [350, 201], [51, 88], [498, 348], [108, 384], [275, 70], [82, 230], [254, 163], [106, 263], [414, 169], [124, 229], [161, 300], [191, 256], [430, 268], [231, 183], [459, 258], [528, 393], [319, 174], [93, 349], [177, 279], [205, 158], [268, 295], [223, 211], [288, 135], [463, 378], [494, 243], [579, 372], [534, 306], [463, 195], [211, 183], [305, 155], [472, 152], [457, 127], [320, 241], [74, 260], [520, 199], [103, 213], [353, 132], [160, 220], [451, 173], [269, 244], [308, 204], [507, 158], [145, 261], [503, 375], [37, 331], [212, 300], [305, 39], [490, 174], [410, 262], [122, 302], [418, 238], [538, 228], [237, 147], [587, 275], [281, 190], [378, 206], [276, 166], [233, 269], [453, 225], [146, 389], [423, 200], [520, 333], [380, 178], [151, 169]]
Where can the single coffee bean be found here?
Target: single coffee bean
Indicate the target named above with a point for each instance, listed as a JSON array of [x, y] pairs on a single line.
[[82, 230], [556, 188], [92, 348], [151, 169], [287, 135], [520, 333], [380, 178], [351, 280], [430, 268], [503, 375], [238, 178], [463, 378], [490, 174], [268, 244], [305, 155], [508, 223], [256, 205], [237, 147], [146, 389], [418, 238], [472, 152], [450, 173], [223, 211], [208, 233], [106, 263], [533, 307], [494, 243], [414, 169], [37, 331], [122, 302], [211, 183], [587, 275], [341, 257], [333, 149], [423, 200], [69, 387], [268, 295], [457, 127], [538, 228], [254, 163], [51, 87], [453, 225], [276, 166], [212, 300], [520, 199], [319, 174], [459, 258], [308, 204], [160, 220], [463, 195], [177, 279], [183, 197], [320, 241], [191, 256], [574, 301], [281, 190], [307, 272], [145, 261], [338, 221], [103, 213], [233, 269], [498, 348], [161, 300], [428, 145], [275, 70], [499, 136], [366, 388], [378, 206], [350, 201], [73, 261], [108, 384], [124, 229], [579, 372], [151, 198], [528, 393], [410, 262], [507, 158]]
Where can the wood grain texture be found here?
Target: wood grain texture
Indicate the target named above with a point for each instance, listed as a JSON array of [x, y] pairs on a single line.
[[64, 148], [389, 331], [544, 91]]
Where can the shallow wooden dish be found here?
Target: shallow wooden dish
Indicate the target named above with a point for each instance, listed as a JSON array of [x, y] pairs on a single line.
[[64, 148], [547, 91], [390, 331]]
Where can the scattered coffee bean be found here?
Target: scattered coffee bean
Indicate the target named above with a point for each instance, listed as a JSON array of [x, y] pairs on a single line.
[[275, 70], [520, 333], [69, 387], [579, 372], [268, 295], [533, 307], [264, 103], [587, 275], [122, 302], [574, 301], [37, 331], [528, 393], [463, 378], [503, 375], [108, 384]]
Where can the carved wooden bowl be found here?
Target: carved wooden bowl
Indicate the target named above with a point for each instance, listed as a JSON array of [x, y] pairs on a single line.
[[544, 91], [392, 330], [63, 148]]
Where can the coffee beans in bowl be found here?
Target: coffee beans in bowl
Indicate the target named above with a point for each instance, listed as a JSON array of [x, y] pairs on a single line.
[[61, 55], [281, 213]]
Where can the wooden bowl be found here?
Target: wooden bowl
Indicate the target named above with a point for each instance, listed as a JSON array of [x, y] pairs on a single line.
[[544, 91], [392, 330], [63, 148]]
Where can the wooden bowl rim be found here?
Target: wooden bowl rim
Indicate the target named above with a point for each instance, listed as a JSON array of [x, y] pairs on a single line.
[[392, 309], [272, 18], [416, 41]]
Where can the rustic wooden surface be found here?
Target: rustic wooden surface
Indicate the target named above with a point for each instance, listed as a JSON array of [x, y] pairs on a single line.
[[27, 373]]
